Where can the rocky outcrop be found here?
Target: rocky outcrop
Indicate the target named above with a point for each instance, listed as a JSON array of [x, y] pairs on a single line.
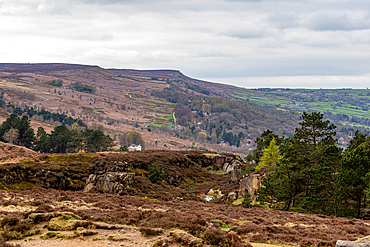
[[362, 242], [251, 183], [109, 182], [234, 168]]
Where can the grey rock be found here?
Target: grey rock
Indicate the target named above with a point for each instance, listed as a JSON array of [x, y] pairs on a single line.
[[362, 242], [250, 184], [225, 167], [109, 182], [232, 196]]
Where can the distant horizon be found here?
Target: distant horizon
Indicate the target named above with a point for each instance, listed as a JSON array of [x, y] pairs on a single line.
[[247, 43], [286, 82]]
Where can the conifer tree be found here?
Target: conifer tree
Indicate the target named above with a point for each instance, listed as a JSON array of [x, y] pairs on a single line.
[[304, 178], [270, 156], [353, 176], [42, 143]]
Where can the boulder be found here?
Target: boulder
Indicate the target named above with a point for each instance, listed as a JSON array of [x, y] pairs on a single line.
[[362, 242], [250, 184], [109, 182], [232, 196]]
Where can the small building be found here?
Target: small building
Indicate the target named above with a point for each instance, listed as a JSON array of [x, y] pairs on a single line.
[[134, 147]]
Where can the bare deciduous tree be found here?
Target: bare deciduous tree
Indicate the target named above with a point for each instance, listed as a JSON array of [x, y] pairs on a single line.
[[11, 135]]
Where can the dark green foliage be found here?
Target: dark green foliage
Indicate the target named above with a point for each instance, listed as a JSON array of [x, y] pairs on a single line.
[[42, 143], [314, 129], [96, 141], [26, 135], [123, 148], [47, 115], [198, 89], [155, 173], [55, 83], [85, 88], [230, 138], [305, 177], [61, 139], [353, 177], [246, 203], [322, 187], [75, 143]]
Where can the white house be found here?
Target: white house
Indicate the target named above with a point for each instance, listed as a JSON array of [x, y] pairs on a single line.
[[134, 147]]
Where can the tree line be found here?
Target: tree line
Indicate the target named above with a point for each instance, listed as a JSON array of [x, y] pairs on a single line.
[[46, 115], [17, 130], [311, 174]]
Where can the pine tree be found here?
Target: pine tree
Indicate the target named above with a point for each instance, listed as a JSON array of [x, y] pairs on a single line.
[[353, 177], [42, 143], [305, 175], [59, 139]]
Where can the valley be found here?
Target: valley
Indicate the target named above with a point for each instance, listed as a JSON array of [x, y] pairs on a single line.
[[218, 166]]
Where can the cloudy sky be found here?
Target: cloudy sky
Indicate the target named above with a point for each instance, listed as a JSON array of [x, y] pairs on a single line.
[[249, 43]]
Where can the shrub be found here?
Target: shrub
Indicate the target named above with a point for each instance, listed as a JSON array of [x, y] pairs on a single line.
[[246, 203], [155, 173], [10, 221]]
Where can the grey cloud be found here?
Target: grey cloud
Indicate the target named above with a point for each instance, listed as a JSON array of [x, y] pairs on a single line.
[[338, 22], [246, 32], [284, 20]]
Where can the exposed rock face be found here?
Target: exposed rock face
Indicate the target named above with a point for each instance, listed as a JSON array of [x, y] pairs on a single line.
[[109, 182], [250, 184], [228, 167], [362, 242], [219, 161]]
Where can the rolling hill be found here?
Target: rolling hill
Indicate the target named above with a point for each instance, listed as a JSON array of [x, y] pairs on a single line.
[[172, 110]]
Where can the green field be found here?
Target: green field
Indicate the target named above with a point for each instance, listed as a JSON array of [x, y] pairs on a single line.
[[344, 106]]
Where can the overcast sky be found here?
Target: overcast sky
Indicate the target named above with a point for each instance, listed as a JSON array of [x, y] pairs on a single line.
[[249, 43]]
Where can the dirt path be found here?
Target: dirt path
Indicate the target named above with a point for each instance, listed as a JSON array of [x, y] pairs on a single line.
[[45, 99]]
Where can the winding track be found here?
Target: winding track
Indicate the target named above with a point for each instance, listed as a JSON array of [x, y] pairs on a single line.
[[45, 99]]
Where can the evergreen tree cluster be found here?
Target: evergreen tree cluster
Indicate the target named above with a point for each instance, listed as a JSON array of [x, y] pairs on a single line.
[[55, 83], [81, 87], [46, 115], [17, 130], [314, 175]]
